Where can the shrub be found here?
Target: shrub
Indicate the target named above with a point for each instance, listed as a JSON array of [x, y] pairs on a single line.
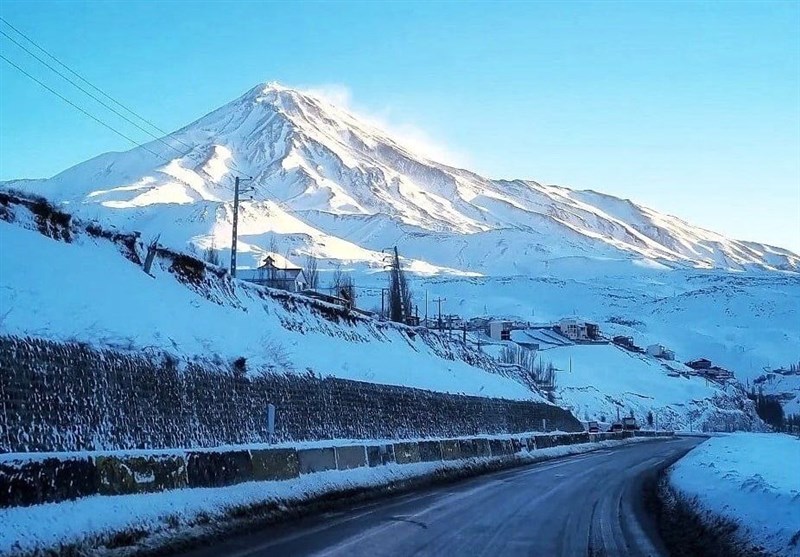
[[240, 365], [188, 268]]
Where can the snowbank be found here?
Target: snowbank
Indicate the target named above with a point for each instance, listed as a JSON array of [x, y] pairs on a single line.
[[749, 478]]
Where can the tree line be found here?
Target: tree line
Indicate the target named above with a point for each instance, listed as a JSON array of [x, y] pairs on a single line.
[[769, 409]]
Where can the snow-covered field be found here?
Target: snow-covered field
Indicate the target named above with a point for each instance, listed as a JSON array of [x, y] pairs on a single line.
[[744, 322], [749, 478], [171, 514]]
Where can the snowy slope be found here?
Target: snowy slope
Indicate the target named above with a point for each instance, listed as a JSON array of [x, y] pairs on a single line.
[[85, 290], [743, 322], [335, 174], [750, 479], [600, 382]]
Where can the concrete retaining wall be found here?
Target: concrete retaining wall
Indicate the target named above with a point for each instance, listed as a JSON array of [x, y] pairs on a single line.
[[28, 481], [317, 460]]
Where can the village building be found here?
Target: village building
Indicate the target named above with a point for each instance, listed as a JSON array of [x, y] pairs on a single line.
[[578, 330], [704, 368], [660, 351], [276, 272], [500, 330], [700, 363]]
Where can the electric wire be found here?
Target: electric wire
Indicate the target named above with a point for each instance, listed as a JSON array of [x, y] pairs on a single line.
[[103, 103], [66, 100], [234, 167]]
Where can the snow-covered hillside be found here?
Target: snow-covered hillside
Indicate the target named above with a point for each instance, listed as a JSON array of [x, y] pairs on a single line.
[[741, 321], [334, 185], [785, 386], [604, 382], [92, 289]]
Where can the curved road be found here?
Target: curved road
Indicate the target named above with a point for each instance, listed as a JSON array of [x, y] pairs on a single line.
[[588, 504]]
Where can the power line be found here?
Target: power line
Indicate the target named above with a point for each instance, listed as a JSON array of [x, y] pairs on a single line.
[[102, 92], [86, 81], [112, 109], [69, 102], [93, 117]]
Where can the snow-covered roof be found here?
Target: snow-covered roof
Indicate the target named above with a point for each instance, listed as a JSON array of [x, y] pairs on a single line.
[[545, 338]]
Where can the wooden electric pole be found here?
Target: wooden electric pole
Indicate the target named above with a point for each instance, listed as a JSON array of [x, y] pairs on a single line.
[[235, 226]]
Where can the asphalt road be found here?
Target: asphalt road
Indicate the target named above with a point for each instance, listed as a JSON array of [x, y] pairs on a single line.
[[589, 504]]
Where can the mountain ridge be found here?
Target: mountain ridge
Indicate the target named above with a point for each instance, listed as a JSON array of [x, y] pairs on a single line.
[[311, 161]]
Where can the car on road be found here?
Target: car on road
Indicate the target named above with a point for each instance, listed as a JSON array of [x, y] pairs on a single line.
[[593, 427], [616, 426]]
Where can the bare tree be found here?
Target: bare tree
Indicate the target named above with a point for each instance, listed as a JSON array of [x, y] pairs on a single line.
[[273, 252], [400, 299], [211, 254], [348, 290], [312, 272], [535, 371], [343, 286]]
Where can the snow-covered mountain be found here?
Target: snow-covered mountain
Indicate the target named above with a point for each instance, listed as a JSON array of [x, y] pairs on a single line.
[[327, 183], [197, 312]]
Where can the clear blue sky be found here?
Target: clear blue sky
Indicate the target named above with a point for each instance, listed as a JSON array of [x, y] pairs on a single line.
[[692, 108]]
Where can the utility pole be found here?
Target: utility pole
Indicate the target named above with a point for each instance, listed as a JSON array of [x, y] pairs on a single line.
[[399, 292], [235, 226], [439, 301], [234, 234]]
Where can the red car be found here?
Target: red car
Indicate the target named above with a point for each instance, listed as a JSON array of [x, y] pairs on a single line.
[[616, 427]]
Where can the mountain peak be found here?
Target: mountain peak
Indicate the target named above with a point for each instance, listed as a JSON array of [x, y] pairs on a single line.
[[342, 177]]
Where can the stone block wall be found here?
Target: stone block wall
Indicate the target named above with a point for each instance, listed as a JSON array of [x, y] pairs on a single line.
[[71, 397]]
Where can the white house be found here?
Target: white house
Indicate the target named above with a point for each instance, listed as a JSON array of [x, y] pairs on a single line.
[[575, 329], [276, 272], [661, 351], [500, 330]]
